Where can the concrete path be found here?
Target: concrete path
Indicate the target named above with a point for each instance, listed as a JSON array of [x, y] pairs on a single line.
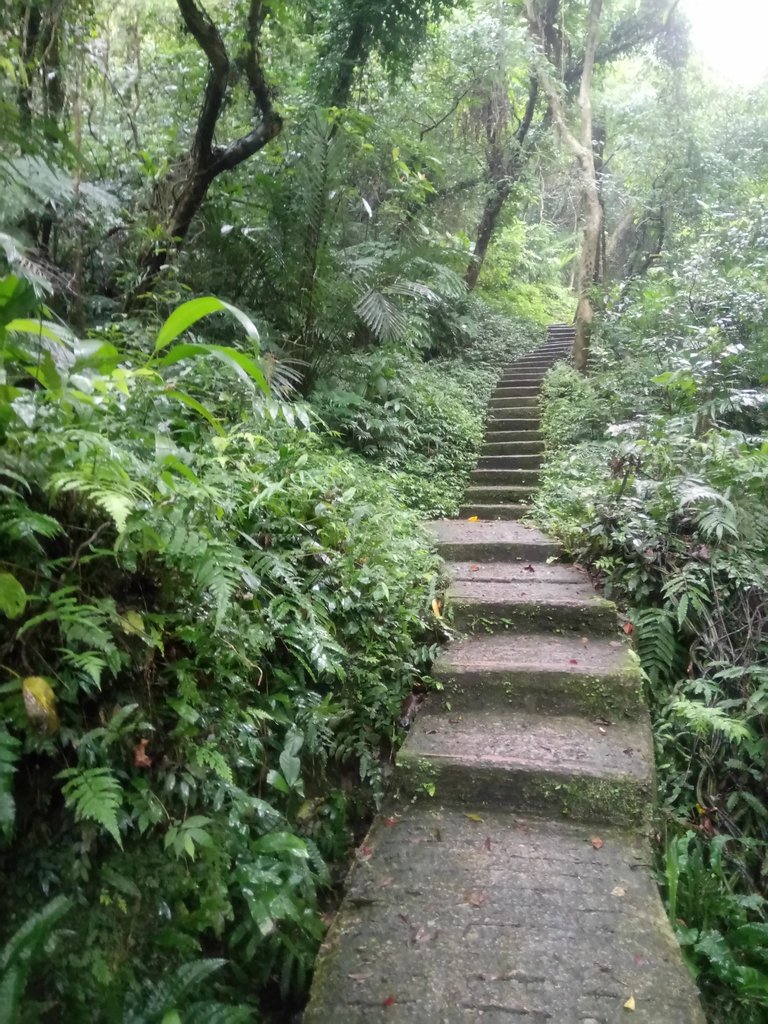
[[509, 877]]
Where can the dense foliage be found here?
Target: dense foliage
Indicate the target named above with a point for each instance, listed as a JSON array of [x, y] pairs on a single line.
[[215, 588], [657, 477]]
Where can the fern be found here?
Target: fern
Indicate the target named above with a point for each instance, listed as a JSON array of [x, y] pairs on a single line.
[[657, 644], [167, 996], [96, 795], [9, 753], [705, 719], [18, 953]]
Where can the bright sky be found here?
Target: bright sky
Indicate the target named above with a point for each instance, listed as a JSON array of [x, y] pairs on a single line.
[[731, 36]]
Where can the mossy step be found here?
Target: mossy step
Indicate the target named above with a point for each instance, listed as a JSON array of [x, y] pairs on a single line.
[[505, 436], [504, 477], [460, 541], [510, 511], [497, 495], [523, 391], [518, 449], [509, 460], [529, 424], [561, 765], [514, 402], [456, 917], [537, 672], [529, 605]]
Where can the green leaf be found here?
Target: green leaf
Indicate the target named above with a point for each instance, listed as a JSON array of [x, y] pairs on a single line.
[[13, 597], [243, 365], [189, 313], [192, 403]]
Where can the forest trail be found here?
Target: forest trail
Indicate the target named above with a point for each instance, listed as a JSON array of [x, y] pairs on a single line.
[[510, 876]]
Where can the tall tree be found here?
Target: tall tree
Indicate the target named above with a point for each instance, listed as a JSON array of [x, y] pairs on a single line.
[[206, 161]]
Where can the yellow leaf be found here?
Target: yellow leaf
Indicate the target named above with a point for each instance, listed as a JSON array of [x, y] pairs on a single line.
[[132, 622], [40, 703], [436, 608], [474, 817], [630, 1003], [473, 519]]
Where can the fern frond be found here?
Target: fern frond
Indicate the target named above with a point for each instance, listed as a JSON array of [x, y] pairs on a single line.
[[9, 753], [656, 641], [382, 317], [96, 795], [705, 719]]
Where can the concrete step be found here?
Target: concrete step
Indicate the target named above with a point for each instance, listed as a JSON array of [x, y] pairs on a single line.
[[514, 392], [560, 765], [451, 919], [514, 402], [498, 495], [512, 424], [533, 448], [537, 672], [528, 604], [523, 380], [474, 542], [512, 510], [513, 436], [501, 460], [504, 477]]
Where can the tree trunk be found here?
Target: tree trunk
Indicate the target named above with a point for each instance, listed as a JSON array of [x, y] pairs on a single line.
[[206, 162], [582, 149], [493, 207]]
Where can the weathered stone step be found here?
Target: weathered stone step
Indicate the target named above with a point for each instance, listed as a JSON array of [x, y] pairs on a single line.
[[501, 460], [532, 448], [561, 765], [501, 477], [453, 920], [514, 402], [515, 391], [527, 424], [510, 511], [506, 436], [474, 542], [528, 605], [513, 381], [564, 675], [496, 495]]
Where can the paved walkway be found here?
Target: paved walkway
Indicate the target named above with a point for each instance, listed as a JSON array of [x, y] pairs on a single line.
[[509, 877]]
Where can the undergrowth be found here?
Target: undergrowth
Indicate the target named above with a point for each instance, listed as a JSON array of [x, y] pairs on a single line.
[[656, 476]]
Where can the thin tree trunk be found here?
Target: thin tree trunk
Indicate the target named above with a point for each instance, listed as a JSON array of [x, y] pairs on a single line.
[[493, 207], [582, 149]]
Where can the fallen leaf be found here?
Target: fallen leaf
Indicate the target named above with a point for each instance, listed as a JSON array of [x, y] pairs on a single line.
[[473, 519], [474, 568], [475, 898], [529, 568], [474, 817], [141, 758], [423, 934], [630, 1003], [390, 822], [597, 842], [359, 977], [409, 709], [365, 852], [573, 661], [403, 918], [385, 882], [437, 608], [487, 843], [628, 628], [584, 641], [618, 891], [389, 1001]]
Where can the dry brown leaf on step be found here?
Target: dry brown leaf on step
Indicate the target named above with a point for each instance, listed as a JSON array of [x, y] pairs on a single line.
[[359, 977], [630, 1003], [597, 842], [573, 661], [628, 628], [437, 608], [389, 1001], [584, 641], [529, 568], [618, 891], [487, 843], [423, 934], [391, 822], [474, 568], [475, 898]]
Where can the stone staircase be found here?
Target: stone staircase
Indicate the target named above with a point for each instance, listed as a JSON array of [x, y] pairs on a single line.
[[509, 879]]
